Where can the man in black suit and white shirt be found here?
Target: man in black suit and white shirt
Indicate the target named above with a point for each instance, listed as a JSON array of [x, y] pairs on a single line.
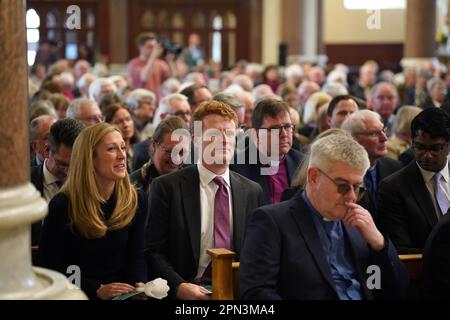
[[412, 200], [51, 174], [199, 207]]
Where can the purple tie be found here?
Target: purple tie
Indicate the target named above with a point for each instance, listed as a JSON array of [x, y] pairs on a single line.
[[221, 215], [441, 198]]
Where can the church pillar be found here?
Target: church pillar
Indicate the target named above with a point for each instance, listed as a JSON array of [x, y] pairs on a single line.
[[420, 43], [20, 203], [302, 30]]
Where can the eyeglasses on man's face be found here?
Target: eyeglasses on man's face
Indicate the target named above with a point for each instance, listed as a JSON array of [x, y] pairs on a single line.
[[168, 152], [432, 148], [181, 113], [344, 187], [97, 118], [288, 127], [372, 133]]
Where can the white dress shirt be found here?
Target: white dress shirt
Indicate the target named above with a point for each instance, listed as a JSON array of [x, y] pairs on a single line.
[[208, 189], [444, 182], [50, 183]]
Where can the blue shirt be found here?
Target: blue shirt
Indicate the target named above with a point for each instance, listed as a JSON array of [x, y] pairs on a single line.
[[338, 255], [372, 175]]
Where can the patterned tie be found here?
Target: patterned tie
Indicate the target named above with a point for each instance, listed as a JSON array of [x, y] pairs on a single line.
[[221, 215], [439, 193]]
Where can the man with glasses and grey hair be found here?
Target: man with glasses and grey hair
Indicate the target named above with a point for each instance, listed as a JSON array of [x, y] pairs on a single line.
[[174, 104], [368, 130], [86, 111], [321, 238]]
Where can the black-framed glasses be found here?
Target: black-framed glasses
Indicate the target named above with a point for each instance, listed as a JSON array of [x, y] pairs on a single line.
[[373, 133], [168, 153], [288, 127], [94, 118], [344, 187], [181, 113], [433, 148]]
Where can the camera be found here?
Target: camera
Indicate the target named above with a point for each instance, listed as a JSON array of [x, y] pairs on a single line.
[[169, 46]]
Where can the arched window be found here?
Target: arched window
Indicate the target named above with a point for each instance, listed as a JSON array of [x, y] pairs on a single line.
[[33, 22], [148, 20], [90, 28], [216, 47]]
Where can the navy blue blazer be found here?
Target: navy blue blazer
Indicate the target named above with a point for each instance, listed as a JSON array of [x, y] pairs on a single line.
[[141, 153], [253, 171], [282, 258]]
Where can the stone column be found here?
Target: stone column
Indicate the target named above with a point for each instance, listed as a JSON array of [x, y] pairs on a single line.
[[20, 203], [420, 43], [301, 29]]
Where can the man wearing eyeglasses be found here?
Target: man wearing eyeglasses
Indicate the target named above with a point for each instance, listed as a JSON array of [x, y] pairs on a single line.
[[412, 200], [367, 128], [51, 174], [86, 111], [174, 104], [269, 160], [319, 244]]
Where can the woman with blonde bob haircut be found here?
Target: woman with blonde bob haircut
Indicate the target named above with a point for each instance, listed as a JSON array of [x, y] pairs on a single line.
[[97, 220]]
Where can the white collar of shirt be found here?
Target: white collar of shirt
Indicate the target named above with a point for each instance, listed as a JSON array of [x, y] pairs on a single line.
[[207, 176], [436, 103], [49, 178], [428, 175]]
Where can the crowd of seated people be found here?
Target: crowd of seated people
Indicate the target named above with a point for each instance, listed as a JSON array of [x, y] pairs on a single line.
[[173, 157]]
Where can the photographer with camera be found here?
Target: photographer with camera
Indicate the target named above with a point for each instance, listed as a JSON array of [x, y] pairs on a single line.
[[148, 70]]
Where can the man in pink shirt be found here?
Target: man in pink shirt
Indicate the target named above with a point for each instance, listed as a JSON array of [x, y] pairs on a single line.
[[147, 70]]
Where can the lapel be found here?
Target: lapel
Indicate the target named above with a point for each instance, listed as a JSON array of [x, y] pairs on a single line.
[[300, 213], [262, 180], [291, 165], [358, 248], [239, 215], [420, 193], [190, 190]]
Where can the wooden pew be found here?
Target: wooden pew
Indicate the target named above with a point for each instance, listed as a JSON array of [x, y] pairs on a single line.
[[225, 282], [413, 264], [224, 274]]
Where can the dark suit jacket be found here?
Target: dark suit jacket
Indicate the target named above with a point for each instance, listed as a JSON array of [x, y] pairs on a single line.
[[407, 156], [436, 261], [253, 171], [385, 167], [405, 208], [141, 153], [37, 179], [173, 232], [428, 104], [283, 258]]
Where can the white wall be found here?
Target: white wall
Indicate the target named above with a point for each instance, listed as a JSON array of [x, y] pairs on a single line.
[[271, 28], [350, 26]]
